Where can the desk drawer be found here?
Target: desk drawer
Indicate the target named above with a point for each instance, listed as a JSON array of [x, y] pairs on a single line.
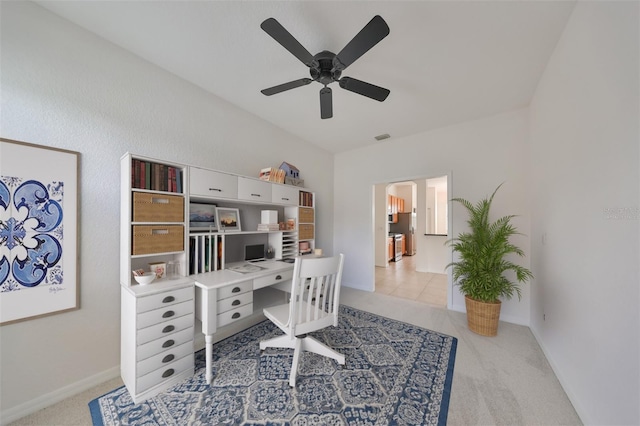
[[235, 314], [235, 290], [164, 358], [158, 376], [233, 302], [165, 328], [156, 301], [272, 279], [163, 314], [160, 345]]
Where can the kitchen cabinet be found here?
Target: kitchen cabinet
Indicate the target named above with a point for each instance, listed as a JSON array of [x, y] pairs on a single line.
[[395, 204], [390, 251]]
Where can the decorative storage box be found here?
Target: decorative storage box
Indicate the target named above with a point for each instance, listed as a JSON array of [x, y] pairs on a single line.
[[148, 239], [305, 232], [157, 207], [269, 216], [305, 215]]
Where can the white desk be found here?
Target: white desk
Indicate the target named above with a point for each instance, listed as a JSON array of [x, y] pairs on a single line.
[[226, 296]]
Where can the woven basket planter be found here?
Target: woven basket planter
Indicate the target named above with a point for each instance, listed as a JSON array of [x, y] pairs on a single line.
[[483, 317]]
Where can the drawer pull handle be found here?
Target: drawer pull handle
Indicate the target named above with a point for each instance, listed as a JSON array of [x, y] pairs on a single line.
[[168, 343], [155, 200], [168, 299], [285, 199], [168, 329], [256, 195], [278, 277], [168, 314], [168, 373], [235, 302], [236, 290], [215, 189], [168, 358], [236, 315]]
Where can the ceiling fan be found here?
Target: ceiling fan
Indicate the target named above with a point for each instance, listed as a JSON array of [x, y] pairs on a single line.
[[326, 67]]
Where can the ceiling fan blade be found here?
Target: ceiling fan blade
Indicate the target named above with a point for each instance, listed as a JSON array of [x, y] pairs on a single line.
[[369, 36], [286, 86], [284, 37], [326, 103], [365, 89]]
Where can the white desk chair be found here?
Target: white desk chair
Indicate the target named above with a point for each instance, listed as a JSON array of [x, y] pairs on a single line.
[[314, 303]]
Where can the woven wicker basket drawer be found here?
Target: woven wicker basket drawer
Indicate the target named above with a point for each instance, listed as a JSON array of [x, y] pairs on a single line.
[[157, 207], [305, 232], [148, 239], [306, 215]]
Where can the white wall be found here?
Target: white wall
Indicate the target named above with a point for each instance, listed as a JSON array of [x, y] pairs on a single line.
[[479, 154], [64, 87], [584, 161]]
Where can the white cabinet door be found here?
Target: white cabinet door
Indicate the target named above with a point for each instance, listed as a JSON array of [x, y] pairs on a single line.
[[284, 194], [254, 190], [212, 184]]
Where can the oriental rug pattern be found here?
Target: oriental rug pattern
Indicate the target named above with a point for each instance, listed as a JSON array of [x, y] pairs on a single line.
[[395, 374]]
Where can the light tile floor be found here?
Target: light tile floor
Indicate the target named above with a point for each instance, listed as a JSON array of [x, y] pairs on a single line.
[[401, 280]]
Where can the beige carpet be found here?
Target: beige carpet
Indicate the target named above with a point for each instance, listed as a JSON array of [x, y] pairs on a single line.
[[503, 380]]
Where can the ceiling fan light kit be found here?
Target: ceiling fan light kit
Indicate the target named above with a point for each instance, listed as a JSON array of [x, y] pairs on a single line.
[[326, 67]]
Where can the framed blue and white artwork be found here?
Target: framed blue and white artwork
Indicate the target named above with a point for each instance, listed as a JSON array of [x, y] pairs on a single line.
[[38, 231]]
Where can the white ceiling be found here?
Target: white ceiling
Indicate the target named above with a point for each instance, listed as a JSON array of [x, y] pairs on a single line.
[[445, 62]]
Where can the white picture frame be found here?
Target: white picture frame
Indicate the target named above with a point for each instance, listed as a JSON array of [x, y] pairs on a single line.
[[38, 231], [228, 219]]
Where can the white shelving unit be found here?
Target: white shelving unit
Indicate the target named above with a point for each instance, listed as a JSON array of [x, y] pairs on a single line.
[[157, 319]]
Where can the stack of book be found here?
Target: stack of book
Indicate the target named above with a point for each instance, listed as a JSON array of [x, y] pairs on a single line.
[[272, 174], [268, 227]]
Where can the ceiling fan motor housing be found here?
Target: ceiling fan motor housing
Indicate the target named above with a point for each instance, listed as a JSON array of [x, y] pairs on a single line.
[[325, 72]]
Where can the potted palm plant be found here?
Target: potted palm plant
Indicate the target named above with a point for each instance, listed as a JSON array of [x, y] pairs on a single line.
[[483, 261]]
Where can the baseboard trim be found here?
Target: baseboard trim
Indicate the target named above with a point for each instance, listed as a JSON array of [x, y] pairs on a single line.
[[44, 401], [563, 382]]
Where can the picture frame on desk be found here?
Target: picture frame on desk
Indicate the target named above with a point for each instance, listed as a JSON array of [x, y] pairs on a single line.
[[228, 219], [202, 217]]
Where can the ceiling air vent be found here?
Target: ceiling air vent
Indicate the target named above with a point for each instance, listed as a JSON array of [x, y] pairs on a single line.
[[382, 137]]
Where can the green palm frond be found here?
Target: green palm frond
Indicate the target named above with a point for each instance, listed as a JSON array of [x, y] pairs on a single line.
[[480, 270]]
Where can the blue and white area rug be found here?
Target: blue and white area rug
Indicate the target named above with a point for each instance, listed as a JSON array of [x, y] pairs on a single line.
[[395, 374]]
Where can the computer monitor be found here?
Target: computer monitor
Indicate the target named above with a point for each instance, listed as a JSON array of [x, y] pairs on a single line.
[[254, 252]]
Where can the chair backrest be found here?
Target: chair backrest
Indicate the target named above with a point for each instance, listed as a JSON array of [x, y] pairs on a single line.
[[315, 293]]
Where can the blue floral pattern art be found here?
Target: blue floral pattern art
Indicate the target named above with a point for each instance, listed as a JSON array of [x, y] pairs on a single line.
[[395, 374], [31, 234]]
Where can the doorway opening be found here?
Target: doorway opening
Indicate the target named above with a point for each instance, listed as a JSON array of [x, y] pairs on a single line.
[[411, 229]]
